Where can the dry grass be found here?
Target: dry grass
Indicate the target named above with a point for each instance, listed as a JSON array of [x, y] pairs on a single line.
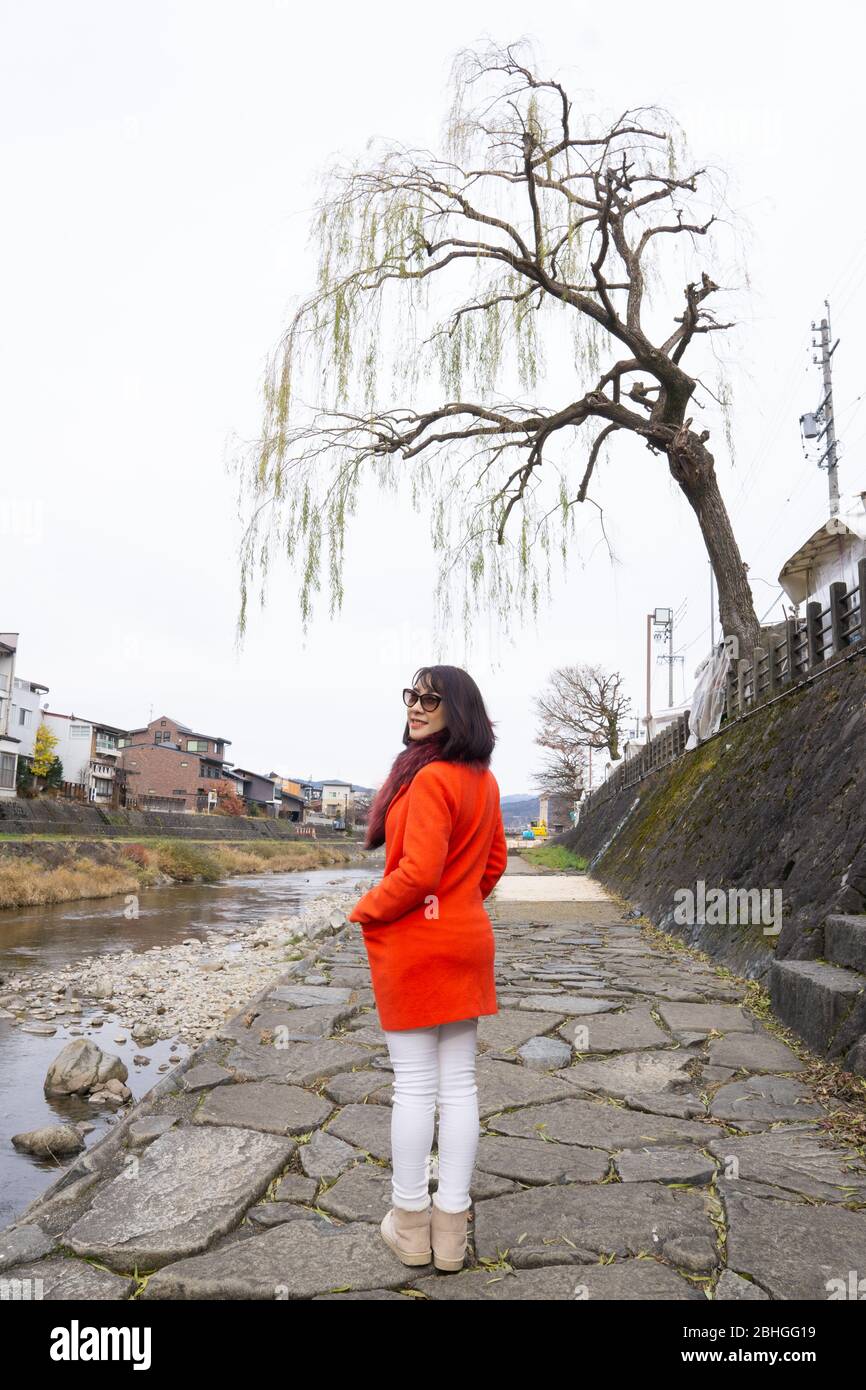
[[26, 883]]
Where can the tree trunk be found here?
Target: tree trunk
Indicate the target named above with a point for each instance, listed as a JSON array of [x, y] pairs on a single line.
[[692, 466]]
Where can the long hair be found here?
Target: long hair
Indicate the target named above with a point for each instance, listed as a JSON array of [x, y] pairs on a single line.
[[467, 738]]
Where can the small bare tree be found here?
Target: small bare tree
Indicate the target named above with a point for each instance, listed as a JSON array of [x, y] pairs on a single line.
[[563, 769], [595, 212], [585, 705]]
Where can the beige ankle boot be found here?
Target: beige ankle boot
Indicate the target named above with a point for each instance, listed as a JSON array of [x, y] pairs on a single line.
[[448, 1237], [408, 1234]]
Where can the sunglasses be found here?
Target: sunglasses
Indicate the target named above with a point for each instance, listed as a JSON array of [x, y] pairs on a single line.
[[429, 701]]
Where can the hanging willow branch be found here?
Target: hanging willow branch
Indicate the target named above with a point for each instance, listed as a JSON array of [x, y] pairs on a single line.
[[584, 210]]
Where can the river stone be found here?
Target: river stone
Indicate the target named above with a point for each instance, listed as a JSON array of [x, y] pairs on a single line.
[[794, 1160], [511, 1027], [594, 1125], [296, 1260], [61, 1279], [536, 1161], [706, 1018], [543, 1054], [570, 1004], [206, 1074], [764, 1098], [754, 1053], [617, 1032], [192, 1185], [300, 1062], [82, 1066], [665, 1164], [623, 1280], [631, 1071], [42, 1030], [733, 1288], [50, 1141], [27, 1242], [264, 1105], [326, 1156], [572, 1224], [502, 1084], [361, 1194], [367, 1127], [795, 1251]]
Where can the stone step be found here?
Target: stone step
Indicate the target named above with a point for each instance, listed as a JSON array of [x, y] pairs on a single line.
[[845, 940], [825, 1005]]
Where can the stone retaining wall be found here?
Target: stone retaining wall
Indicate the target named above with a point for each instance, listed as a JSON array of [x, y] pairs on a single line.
[[774, 802]]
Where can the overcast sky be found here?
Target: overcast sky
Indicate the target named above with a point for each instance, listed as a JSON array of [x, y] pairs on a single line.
[[159, 164]]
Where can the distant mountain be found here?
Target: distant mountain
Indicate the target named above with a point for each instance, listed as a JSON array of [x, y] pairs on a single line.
[[518, 809]]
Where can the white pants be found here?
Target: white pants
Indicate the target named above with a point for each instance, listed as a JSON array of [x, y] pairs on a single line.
[[433, 1064]]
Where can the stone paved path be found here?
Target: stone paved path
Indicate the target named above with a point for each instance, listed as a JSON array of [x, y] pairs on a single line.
[[644, 1136]]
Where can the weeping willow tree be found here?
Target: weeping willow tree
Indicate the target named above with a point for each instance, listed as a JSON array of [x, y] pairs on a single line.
[[539, 229]]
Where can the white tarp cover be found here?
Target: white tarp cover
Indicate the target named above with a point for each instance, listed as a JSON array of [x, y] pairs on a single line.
[[831, 553], [708, 700]]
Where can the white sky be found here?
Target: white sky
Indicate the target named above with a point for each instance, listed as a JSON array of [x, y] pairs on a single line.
[[159, 162]]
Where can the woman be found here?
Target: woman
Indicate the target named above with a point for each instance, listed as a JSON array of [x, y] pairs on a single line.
[[431, 950]]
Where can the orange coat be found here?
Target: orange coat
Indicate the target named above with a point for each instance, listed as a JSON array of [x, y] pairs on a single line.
[[429, 940]]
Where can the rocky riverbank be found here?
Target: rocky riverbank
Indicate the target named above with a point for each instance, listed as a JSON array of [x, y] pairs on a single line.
[[179, 992]]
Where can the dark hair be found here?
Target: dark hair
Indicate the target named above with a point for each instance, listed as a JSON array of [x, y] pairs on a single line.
[[470, 735]]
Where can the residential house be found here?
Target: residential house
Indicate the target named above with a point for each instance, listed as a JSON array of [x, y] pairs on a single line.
[[9, 742], [293, 801], [558, 812], [260, 793], [337, 799], [171, 767], [90, 754], [19, 714], [25, 713]]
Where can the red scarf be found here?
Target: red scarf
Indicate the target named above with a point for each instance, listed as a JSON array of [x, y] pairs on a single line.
[[403, 769]]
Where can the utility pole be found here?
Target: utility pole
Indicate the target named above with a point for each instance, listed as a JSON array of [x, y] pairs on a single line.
[[821, 422]]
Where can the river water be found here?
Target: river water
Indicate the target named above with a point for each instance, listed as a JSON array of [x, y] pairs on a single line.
[[47, 938]]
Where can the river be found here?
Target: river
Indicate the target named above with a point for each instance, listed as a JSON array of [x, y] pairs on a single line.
[[47, 938]]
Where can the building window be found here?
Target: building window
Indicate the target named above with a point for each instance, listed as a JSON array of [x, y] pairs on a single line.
[[196, 745], [24, 715], [7, 770], [79, 731]]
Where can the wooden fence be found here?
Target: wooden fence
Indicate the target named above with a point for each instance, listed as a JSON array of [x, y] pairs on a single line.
[[806, 646]]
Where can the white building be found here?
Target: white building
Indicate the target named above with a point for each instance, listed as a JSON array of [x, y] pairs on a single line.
[[88, 751], [20, 713], [8, 744]]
